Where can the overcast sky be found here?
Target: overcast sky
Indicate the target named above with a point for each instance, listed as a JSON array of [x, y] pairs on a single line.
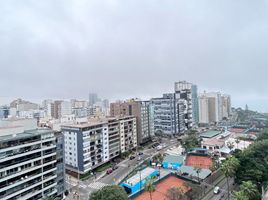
[[134, 48]]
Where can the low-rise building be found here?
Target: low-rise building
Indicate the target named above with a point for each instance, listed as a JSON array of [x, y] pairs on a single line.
[[172, 162], [212, 144]]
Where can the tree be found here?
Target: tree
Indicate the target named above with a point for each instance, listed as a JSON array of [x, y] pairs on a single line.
[[189, 142], [239, 196], [250, 190], [253, 164], [175, 193], [229, 168], [198, 170], [150, 187], [263, 135], [110, 192]]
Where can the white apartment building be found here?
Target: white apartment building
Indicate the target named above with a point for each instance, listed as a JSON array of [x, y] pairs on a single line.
[[213, 107], [93, 143]]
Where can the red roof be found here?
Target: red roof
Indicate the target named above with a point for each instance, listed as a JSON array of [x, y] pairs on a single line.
[[237, 130], [199, 161], [162, 188]]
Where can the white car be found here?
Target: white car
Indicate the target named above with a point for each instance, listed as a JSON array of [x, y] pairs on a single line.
[[159, 147], [216, 190]]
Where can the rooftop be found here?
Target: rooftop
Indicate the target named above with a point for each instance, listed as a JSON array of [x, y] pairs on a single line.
[[210, 134], [173, 159], [213, 142], [94, 122], [192, 172], [143, 174], [25, 134]]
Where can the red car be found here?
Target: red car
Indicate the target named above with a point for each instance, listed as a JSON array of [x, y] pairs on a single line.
[[109, 171]]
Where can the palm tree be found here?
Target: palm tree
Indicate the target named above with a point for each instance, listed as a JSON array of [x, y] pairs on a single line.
[[149, 187], [249, 189], [239, 196], [198, 170], [229, 168]]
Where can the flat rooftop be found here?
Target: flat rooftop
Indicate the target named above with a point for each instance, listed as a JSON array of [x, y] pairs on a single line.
[[173, 159], [210, 134], [136, 178], [94, 122], [192, 172], [25, 134]]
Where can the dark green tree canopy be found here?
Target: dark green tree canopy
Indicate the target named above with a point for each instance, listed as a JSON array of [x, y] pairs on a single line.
[[112, 192]]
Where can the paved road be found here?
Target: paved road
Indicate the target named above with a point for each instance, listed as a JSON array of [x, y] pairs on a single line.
[[223, 190], [125, 167]]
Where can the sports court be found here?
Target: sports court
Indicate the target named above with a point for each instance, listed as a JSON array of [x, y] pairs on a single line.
[[199, 161], [162, 188]]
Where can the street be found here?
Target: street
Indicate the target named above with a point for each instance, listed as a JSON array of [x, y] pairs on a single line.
[[124, 168], [223, 189]]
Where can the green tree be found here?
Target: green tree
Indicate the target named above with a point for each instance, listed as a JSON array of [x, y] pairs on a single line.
[[175, 193], [150, 187], [110, 192], [253, 164], [239, 196], [189, 142], [229, 168], [263, 135], [250, 190]]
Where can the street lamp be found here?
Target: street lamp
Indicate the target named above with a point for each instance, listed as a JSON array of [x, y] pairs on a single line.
[[159, 167]]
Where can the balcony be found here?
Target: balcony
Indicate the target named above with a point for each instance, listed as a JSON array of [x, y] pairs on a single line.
[[19, 143], [20, 153], [21, 159], [20, 180], [7, 194]]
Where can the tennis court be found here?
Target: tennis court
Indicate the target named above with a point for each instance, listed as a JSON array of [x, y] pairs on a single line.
[[162, 188], [199, 161]]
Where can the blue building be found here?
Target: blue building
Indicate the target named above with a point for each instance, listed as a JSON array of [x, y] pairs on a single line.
[[172, 162], [136, 182]]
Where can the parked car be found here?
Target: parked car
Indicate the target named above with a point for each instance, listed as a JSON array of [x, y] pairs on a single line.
[[139, 158], [131, 157], [140, 153], [109, 171], [115, 167], [216, 190], [159, 147]]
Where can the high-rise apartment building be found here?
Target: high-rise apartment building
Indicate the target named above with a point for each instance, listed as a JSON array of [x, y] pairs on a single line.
[[139, 109], [92, 99], [91, 144], [213, 107], [188, 92], [30, 168], [62, 108], [226, 105], [167, 115]]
